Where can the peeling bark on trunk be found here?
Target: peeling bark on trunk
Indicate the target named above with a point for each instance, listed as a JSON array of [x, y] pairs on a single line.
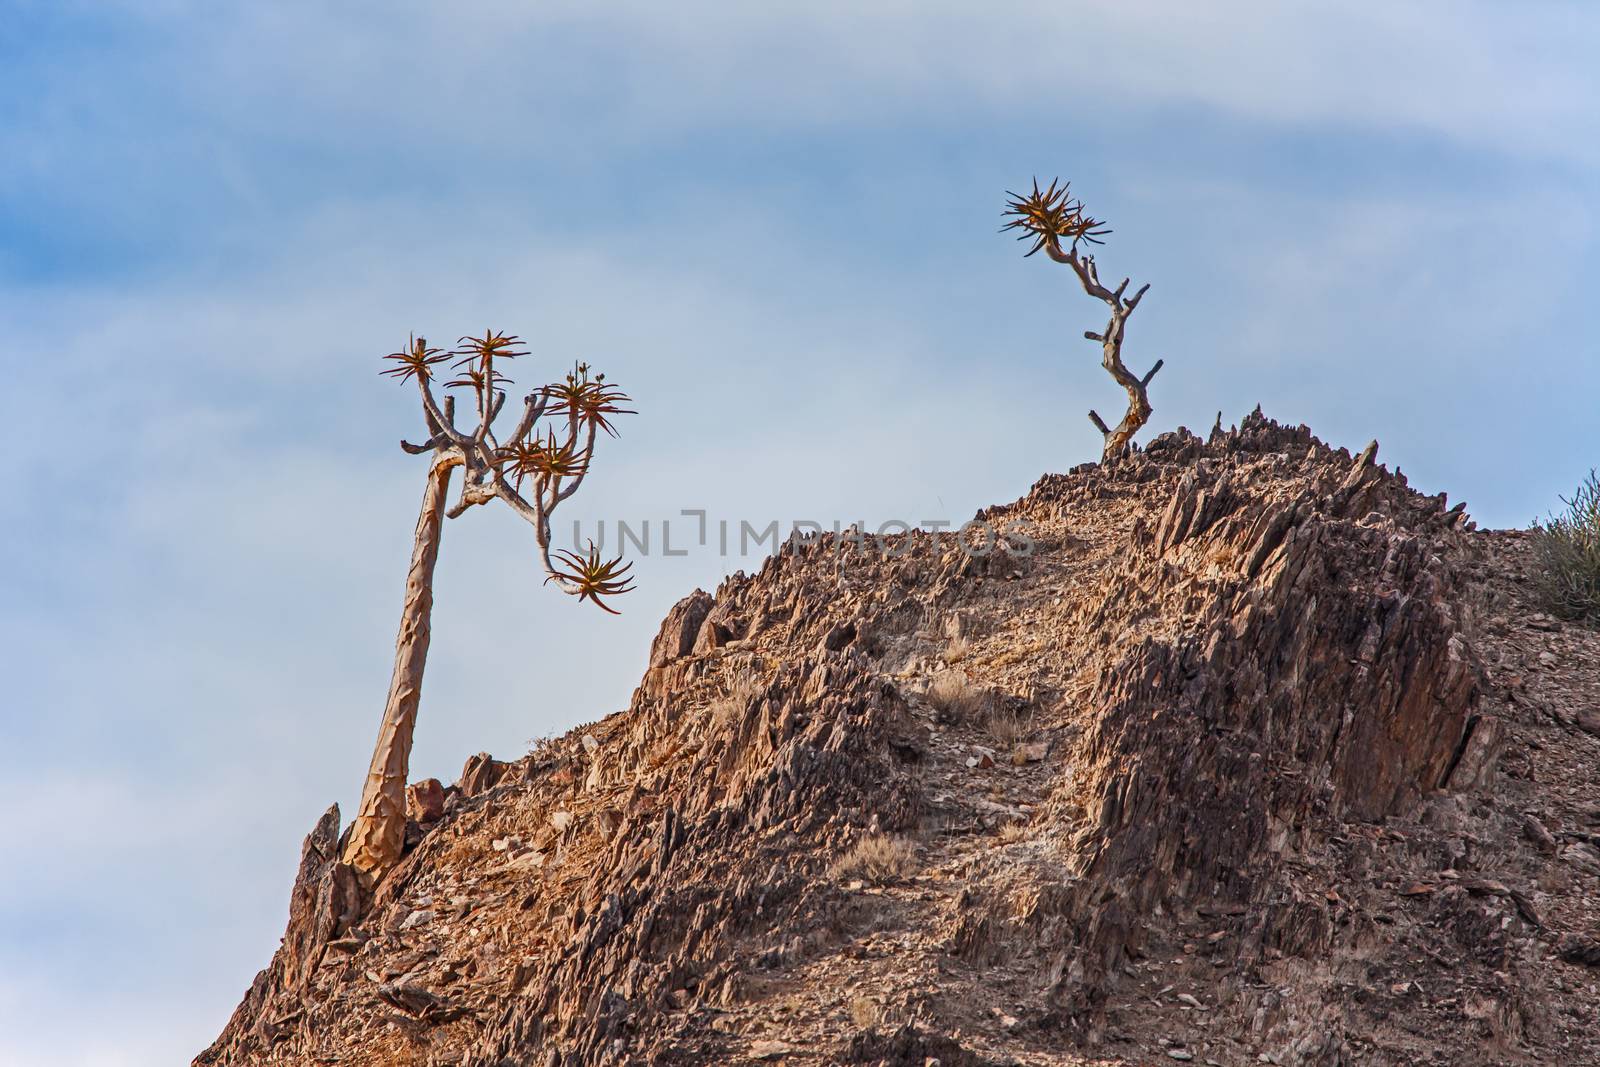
[[378, 832]]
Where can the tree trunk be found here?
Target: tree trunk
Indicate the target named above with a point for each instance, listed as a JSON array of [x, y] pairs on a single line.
[[378, 832], [1139, 410]]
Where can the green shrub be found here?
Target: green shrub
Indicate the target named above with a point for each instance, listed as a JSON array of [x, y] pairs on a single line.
[[1567, 549]]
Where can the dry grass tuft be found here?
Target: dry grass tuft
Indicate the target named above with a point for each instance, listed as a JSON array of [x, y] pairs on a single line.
[[877, 859], [1012, 832], [743, 690], [864, 1012], [958, 646], [955, 698], [1029, 649], [1007, 726]]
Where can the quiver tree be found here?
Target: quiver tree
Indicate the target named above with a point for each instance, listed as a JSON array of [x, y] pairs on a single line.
[[542, 462], [1048, 217]]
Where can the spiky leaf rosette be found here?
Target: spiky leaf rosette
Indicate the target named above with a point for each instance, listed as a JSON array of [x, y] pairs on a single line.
[[592, 578], [491, 346], [473, 379], [535, 457], [415, 360], [1049, 216], [589, 400]]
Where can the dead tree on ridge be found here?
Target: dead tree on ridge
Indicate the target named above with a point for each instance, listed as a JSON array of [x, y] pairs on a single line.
[[1050, 216], [532, 473]]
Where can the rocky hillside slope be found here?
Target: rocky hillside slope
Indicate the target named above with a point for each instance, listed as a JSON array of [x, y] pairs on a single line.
[[1258, 757]]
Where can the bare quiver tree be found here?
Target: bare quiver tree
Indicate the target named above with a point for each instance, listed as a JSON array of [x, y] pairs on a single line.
[[543, 462], [1048, 217]]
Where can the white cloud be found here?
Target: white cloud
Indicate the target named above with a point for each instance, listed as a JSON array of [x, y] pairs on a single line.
[[1496, 77], [245, 98]]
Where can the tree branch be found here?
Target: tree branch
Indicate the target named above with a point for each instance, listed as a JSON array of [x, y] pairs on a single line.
[[538, 516], [445, 419], [429, 445], [490, 401], [533, 406], [485, 396], [577, 480], [1110, 340]]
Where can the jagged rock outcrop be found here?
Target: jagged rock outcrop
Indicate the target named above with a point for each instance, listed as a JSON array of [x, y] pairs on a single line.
[[1215, 722], [326, 900], [1312, 671]]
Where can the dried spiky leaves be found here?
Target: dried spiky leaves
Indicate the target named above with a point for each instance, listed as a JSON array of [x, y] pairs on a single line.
[[491, 346], [1049, 216], [476, 356], [416, 359], [583, 402], [588, 400], [472, 378], [538, 457], [592, 578]]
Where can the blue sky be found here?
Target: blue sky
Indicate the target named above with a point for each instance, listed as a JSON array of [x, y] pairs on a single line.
[[776, 225]]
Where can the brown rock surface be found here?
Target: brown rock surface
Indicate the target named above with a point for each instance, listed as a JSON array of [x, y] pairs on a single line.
[[425, 801], [1288, 768]]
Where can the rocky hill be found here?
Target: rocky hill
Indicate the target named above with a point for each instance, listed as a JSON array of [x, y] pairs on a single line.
[[1257, 756]]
